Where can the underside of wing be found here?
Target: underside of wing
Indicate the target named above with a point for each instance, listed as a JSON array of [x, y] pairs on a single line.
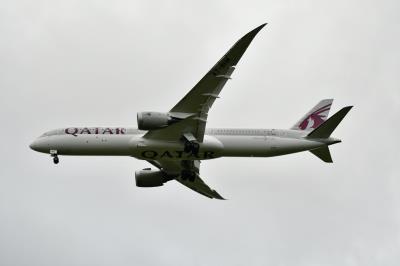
[[187, 173], [199, 186]]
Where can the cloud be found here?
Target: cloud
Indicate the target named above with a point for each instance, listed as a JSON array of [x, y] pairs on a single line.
[[95, 63]]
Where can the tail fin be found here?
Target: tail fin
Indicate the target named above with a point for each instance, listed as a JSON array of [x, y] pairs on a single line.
[[326, 128], [315, 117]]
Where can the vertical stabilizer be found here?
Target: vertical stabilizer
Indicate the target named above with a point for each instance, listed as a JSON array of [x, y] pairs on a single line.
[[315, 117]]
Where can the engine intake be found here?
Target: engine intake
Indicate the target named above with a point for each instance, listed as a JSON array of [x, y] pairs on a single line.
[[153, 120], [150, 178]]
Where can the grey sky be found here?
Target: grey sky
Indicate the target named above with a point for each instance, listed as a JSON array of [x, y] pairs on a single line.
[[94, 63]]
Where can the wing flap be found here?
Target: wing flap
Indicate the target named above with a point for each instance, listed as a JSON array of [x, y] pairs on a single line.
[[175, 168], [199, 186], [175, 131]]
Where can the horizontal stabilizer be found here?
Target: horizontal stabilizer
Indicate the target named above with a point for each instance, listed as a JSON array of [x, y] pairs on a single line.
[[326, 128], [323, 153]]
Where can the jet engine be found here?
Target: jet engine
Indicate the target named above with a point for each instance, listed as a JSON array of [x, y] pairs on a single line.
[[154, 120], [150, 178]]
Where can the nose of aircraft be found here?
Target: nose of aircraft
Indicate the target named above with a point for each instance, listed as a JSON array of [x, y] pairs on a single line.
[[34, 145], [40, 145]]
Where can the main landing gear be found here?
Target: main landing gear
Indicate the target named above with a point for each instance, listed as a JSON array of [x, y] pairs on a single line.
[[191, 145], [187, 171], [188, 175], [53, 153]]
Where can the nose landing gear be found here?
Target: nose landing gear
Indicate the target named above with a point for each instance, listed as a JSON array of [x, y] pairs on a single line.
[[53, 153]]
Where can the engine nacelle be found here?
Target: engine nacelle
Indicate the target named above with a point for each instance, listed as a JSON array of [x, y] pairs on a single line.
[[153, 120], [150, 178]]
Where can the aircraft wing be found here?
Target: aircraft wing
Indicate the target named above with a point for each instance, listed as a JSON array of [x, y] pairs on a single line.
[[175, 168], [199, 186], [194, 107]]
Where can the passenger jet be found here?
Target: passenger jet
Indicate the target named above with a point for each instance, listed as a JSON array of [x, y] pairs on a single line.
[[175, 142]]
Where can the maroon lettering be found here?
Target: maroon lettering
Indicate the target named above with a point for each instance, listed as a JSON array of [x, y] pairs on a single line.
[[71, 131], [107, 130], [120, 130], [85, 130]]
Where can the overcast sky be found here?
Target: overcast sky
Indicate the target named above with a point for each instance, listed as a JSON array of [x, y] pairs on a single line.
[[97, 63]]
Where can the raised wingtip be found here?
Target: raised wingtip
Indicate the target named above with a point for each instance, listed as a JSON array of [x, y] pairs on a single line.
[[254, 32], [260, 27], [347, 108], [217, 196]]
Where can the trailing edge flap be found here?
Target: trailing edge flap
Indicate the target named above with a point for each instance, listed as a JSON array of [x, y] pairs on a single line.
[[199, 186], [326, 128], [174, 131], [323, 153]]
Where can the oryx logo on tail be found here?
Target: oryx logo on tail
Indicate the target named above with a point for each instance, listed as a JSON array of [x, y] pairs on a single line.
[[315, 117]]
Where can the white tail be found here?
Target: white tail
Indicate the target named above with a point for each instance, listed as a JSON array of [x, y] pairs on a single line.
[[315, 117]]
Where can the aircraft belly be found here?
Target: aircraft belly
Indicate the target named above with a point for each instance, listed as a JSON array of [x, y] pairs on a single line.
[[149, 149], [263, 146]]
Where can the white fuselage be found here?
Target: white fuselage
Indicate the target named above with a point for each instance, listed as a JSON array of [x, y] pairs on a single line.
[[118, 141]]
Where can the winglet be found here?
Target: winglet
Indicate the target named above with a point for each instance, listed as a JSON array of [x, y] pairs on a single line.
[[218, 196], [241, 45]]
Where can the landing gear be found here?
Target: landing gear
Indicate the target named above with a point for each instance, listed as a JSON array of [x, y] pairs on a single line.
[[191, 146], [188, 175], [53, 153]]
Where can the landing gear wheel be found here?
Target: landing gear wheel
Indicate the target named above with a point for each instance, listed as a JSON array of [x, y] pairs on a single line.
[[192, 147], [53, 153], [188, 147], [192, 177], [188, 175], [195, 147]]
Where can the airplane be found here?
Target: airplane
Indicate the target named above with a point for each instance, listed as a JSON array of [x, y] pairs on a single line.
[[175, 142]]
